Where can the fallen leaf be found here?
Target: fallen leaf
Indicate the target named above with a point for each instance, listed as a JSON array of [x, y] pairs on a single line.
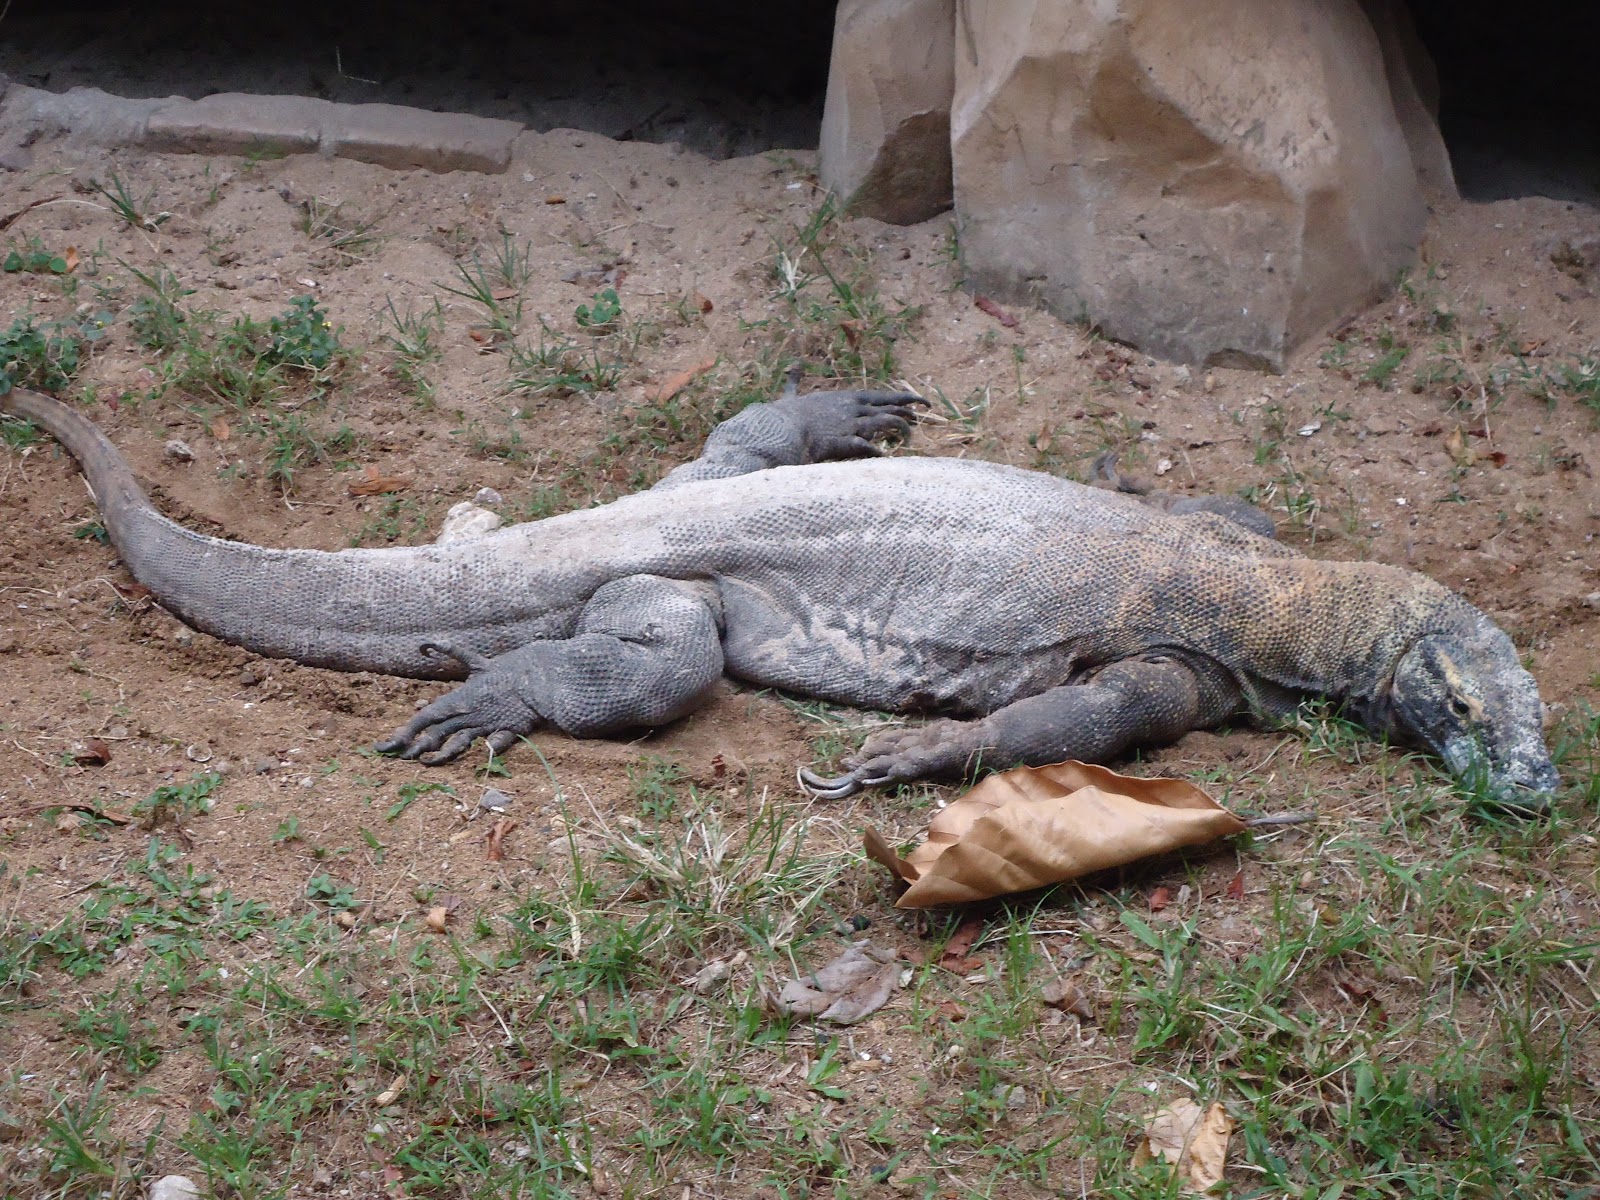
[[391, 1093], [1068, 997], [1193, 1139], [1455, 445], [1236, 885], [71, 259], [69, 820], [497, 837], [995, 311], [478, 336], [92, 753], [439, 915], [714, 973], [1159, 898], [79, 810], [372, 483], [957, 956], [848, 989], [951, 1011], [703, 303], [220, 430], [1036, 826], [555, 199], [658, 393]]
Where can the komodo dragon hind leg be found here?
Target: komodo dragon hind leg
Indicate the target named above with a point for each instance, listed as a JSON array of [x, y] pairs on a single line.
[[1128, 704], [645, 652], [794, 430], [1104, 473]]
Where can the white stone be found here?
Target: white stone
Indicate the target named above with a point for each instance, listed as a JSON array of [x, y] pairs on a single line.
[[466, 521]]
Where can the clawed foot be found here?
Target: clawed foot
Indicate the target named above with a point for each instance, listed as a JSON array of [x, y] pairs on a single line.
[[897, 756], [844, 424], [487, 705]]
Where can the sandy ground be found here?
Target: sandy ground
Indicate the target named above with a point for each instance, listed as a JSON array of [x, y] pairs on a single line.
[[1471, 459]]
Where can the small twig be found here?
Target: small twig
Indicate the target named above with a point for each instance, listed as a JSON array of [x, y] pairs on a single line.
[[1296, 818]]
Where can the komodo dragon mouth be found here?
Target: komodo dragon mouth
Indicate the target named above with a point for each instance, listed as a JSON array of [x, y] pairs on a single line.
[[1071, 621]]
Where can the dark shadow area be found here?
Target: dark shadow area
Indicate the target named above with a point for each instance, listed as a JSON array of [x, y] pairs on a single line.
[[723, 77], [1518, 102]]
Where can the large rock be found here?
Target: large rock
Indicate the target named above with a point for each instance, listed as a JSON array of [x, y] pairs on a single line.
[[1212, 180], [885, 145], [1414, 88]]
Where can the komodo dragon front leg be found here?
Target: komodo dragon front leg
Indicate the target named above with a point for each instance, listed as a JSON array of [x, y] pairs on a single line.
[[646, 649], [1128, 704], [645, 652]]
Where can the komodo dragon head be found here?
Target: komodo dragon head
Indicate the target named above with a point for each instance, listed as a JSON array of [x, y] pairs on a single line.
[[1464, 694]]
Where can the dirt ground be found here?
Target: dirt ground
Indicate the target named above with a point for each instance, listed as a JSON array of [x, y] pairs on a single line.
[[1470, 456]]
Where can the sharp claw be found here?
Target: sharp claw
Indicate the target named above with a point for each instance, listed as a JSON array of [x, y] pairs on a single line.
[[828, 789], [501, 740]]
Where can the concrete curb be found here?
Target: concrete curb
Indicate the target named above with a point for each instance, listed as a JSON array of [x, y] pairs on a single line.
[[388, 135]]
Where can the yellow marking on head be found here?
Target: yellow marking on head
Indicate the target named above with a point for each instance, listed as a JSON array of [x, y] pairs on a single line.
[[1459, 690]]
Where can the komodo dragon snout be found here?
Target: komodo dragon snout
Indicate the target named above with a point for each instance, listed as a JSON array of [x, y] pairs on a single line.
[[1465, 695]]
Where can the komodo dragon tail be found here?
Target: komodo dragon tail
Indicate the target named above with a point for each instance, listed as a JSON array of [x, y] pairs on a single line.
[[353, 610]]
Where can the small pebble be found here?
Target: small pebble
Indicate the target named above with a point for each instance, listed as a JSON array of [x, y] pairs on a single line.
[[178, 451], [488, 497]]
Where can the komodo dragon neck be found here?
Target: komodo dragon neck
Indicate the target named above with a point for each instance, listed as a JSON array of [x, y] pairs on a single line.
[[1328, 628]]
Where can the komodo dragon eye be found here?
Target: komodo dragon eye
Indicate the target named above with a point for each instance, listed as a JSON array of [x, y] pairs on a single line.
[[1459, 707]]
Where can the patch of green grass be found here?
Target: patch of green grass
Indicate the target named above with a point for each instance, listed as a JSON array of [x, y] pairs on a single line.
[[34, 259], [1391, 354], [396, 519], [46, 357], [501, 304], [350, 238], [139, 212], [413, 339]]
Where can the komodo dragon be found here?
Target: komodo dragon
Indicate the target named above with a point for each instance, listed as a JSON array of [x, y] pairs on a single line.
[[1066, 621]]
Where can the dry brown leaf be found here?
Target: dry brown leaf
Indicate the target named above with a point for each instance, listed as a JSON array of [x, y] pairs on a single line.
[[702, 302], [957, 951], [1159, 898], [438, 918], [497, 838], [1193, 1139], [995, 311], [92, 753], [1036, 826], [391, 1093], [71, 259], [220, 430], [1455, 444], [848, 989], [79, 811], [1068, 997], [1236, 885], [658, 393], [372, 483]]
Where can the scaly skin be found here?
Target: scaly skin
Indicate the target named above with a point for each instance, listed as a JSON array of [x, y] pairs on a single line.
[[1070, 621]]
